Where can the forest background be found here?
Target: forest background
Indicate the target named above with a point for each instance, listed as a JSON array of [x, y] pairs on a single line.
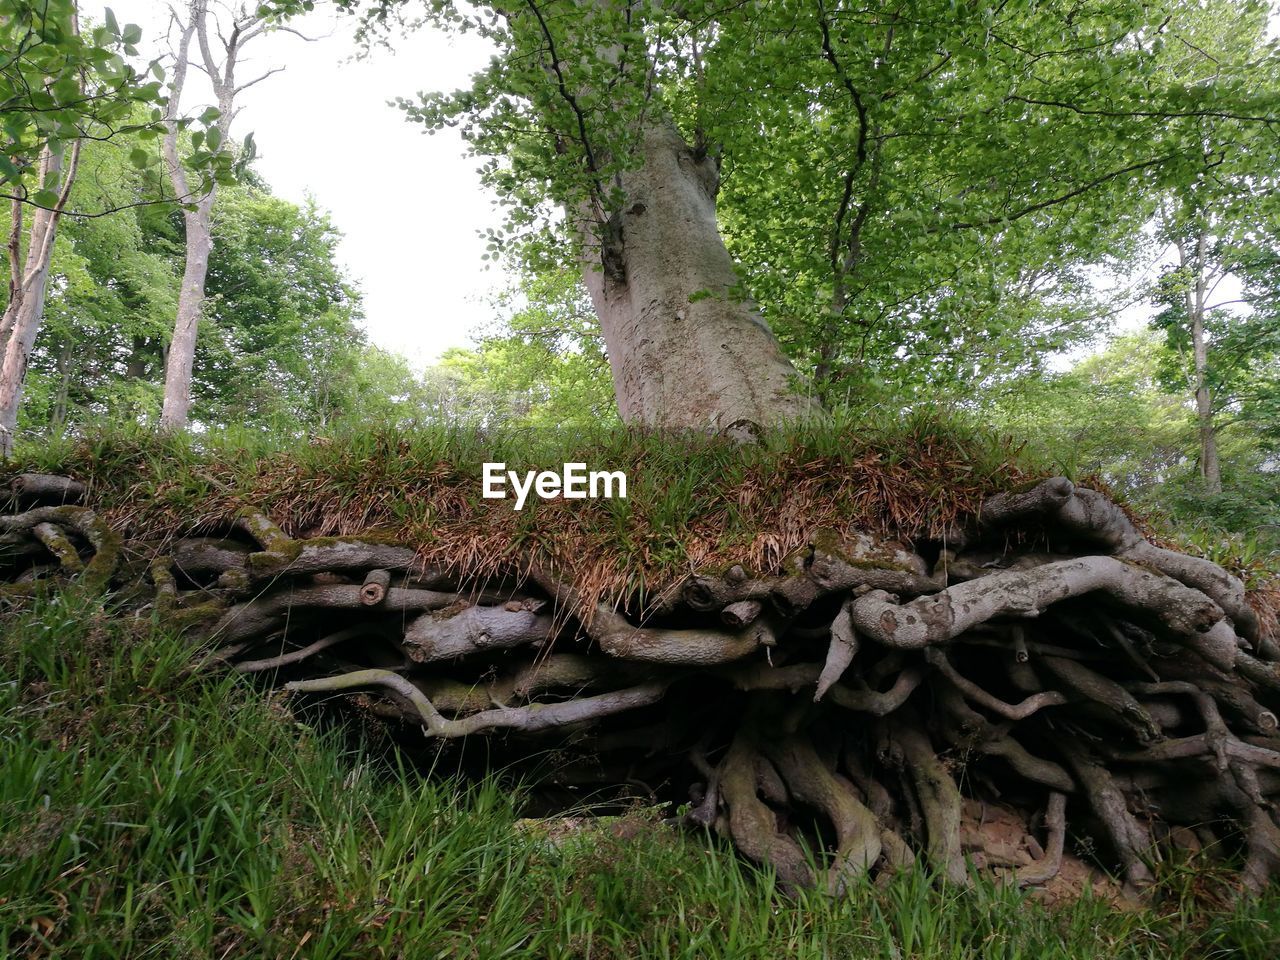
[[1075, 332]]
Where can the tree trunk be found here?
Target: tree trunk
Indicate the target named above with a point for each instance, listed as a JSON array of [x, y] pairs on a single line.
[[136, 368], [182, 350], [58, 418], [687, 348], [180, 357], [1210, 469], [21, 325], [27, 288], [245, 25]]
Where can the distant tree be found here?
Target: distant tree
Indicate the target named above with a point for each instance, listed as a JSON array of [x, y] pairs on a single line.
[[59, 88], [280, 329], [221, 31], [111, 300], [543, 365], [1224, 228], [280, 346]]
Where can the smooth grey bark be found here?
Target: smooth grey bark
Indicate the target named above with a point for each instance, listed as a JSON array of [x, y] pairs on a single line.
[[687, 347], [1210, 468], [29, 280], [181, 357], [197, 221]]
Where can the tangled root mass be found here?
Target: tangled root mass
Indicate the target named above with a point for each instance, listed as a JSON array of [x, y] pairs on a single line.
[[862, 701]]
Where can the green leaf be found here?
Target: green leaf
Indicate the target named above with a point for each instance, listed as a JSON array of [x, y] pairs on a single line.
[[66, 88]]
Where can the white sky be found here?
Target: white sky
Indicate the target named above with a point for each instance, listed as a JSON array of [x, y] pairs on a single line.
[[410, 206]]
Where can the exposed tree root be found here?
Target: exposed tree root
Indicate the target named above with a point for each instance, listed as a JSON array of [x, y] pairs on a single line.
[[1055, 821], [752, 824], [834, 718]]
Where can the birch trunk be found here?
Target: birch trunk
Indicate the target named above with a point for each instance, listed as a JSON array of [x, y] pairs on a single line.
[[180, 357], [180, 361], [687, 349], [1210, 468], [28, 283]]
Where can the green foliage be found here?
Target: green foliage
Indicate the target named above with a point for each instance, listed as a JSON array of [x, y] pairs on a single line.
[[1225, 225], [282, 340], [544, 366], [1109, 416], [58, 83], [146, 811], [1113, 416], [61, 80], [281, 346], [915, 199], [113, 286]]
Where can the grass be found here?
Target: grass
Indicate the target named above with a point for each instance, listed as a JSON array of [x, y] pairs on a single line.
[[693, 500], [148, 813]]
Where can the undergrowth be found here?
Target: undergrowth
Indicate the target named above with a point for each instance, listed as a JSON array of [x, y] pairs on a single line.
[[145, 812], [693, 500]]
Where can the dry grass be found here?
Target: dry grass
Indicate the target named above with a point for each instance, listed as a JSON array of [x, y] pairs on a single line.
[[695, 502]]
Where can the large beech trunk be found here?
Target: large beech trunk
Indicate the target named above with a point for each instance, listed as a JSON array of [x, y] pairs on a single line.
[[687, 348], [869, 701]]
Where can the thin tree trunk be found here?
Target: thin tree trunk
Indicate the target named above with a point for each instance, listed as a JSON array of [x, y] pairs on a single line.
[[686, 347], [28, 284], [136, 367], [58, 418], [182, 349], [180, 357], [1210, 468]]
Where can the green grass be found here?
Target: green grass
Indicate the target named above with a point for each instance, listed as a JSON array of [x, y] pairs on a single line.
[[148, 813], [693, 500]]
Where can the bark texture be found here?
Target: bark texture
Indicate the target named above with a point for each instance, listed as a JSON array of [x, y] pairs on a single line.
[[220, 68], [687, 347], [868, 702], [28, 282]]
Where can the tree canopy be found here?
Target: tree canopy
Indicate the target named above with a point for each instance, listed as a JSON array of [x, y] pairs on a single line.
[[914, 196]]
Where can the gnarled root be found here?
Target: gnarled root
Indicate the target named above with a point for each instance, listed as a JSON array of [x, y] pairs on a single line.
[[753, 826]]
